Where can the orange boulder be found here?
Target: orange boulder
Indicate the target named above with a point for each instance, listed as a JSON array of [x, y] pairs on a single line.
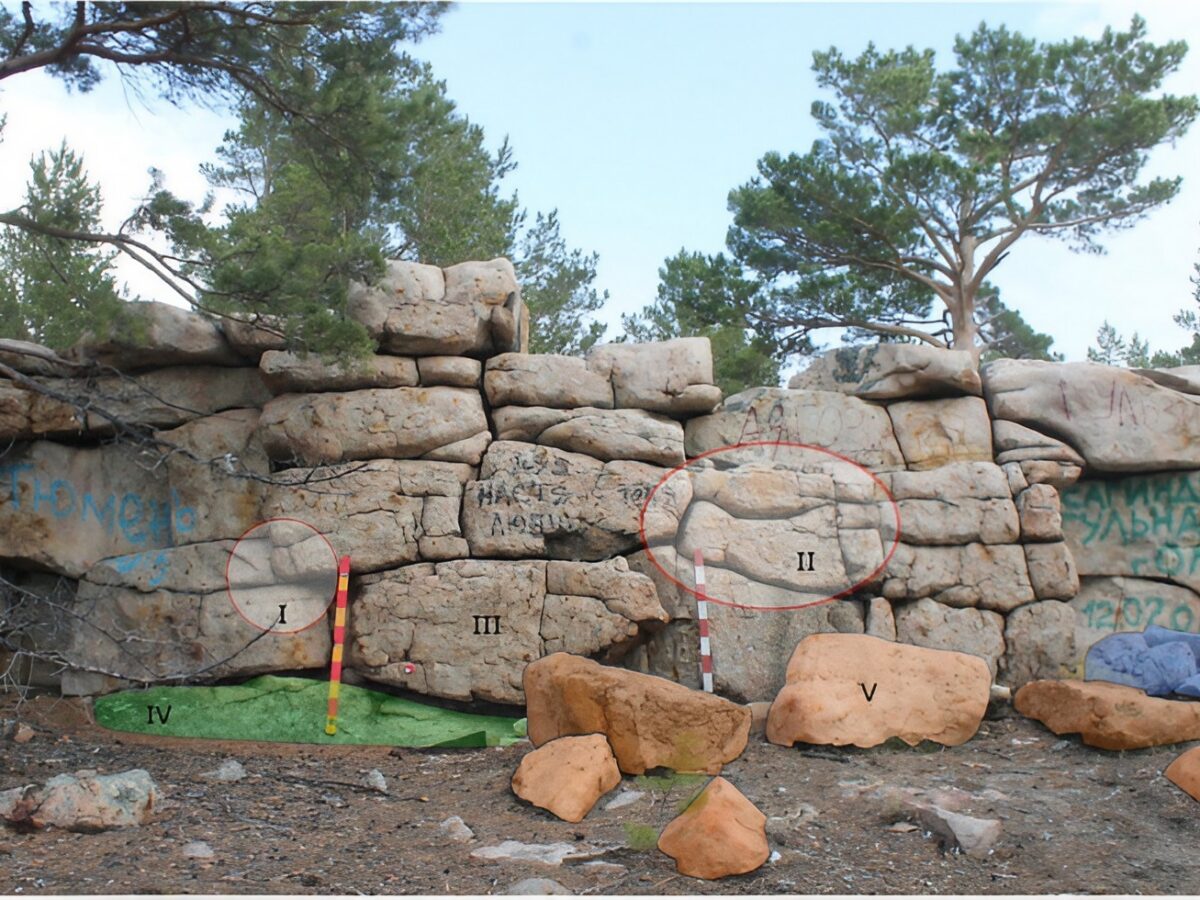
[[1185, 772], [861, 690], [1109, 716], [649, 721], [720, 833], [568, 775]]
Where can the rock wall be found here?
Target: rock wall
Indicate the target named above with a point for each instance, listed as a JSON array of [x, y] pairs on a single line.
[[499, 506]]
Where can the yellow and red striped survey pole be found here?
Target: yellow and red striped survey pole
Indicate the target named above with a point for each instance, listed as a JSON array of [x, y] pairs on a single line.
[[339, 637]]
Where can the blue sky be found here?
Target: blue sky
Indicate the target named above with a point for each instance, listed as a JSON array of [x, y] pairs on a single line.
[[635, 121]]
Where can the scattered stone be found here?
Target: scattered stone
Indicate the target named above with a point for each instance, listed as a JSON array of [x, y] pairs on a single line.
[[623, 799], [974, 837], [891, 372], [376, 781], [567, 775], [1184, 772], [720, 833], [901, 827], [854, 689], [548, 854], [536, 886], [648, 721], [229, 770], [456, 829], [198, 850], [603, 869], [1109, 716], [83, 801], [759, 709], [23, 734]]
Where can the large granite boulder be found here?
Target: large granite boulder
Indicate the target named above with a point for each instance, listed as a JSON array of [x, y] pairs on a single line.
[[978, 632], [933, 433], [133, 635], [991, 576], [466, 629], [401, 423], [538, 501], [1015, 443], [292, 373], [891, 372], [383, 512], [159, 398], [1039, 643], [673, 377], [546, 380], [472, 309], [1118, 420], [218, 470], [649, 722], [846, 425], [853, 689], [606, 434], [958, 503], [149, 333]]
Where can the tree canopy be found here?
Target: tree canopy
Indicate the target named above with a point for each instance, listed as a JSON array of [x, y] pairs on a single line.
[[925, 179]]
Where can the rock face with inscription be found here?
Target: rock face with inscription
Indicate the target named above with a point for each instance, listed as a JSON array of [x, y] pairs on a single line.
[[854, 428], [853, 689], [1118, 420], [1145, 526], [540, 501], [648, 721]]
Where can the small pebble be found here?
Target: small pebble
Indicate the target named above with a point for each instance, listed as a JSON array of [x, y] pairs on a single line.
[[198, 850], [456, 829], [230, 770], [24, 734], [376, 781]]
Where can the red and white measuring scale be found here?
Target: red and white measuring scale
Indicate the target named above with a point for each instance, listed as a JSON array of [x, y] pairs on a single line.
[[706, 669]]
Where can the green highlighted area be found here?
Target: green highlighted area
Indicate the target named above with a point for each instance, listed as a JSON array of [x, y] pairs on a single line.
[[271, 708]]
